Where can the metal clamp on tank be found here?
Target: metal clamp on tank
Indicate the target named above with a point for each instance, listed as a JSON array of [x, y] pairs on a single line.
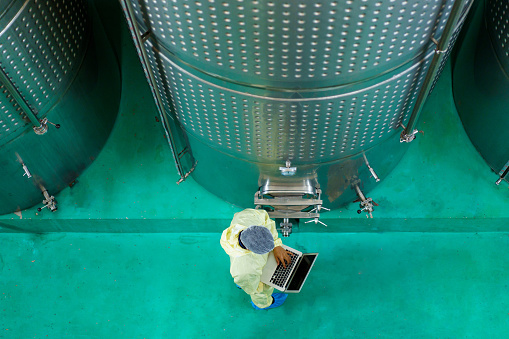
[[286, 227], [437, 49], [290, 202], [407, 137], [43, 127]]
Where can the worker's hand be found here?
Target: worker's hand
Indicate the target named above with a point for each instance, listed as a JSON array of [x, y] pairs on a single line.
[[282, 256]]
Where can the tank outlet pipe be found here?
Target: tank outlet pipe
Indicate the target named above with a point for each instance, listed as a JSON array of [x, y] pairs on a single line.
[[138, 42], [409, 133], [503, 175], [11, 88]]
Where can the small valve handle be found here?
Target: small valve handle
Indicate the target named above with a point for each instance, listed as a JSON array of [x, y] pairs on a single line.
[[57, 126]]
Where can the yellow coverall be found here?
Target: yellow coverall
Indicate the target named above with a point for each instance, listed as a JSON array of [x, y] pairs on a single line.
[[246, 266]]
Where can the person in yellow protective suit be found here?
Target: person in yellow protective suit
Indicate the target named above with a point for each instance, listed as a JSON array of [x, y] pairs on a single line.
[[248, 241]]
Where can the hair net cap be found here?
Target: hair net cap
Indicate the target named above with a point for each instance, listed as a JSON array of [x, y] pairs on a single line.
[[257, 239]]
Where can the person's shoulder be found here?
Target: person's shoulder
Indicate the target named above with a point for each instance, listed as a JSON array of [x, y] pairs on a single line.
[[261, 213], [249, 211], [249, 217]]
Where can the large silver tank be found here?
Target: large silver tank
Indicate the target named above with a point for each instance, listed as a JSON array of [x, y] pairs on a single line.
[[302, 96], [481, 83], [50, 75]]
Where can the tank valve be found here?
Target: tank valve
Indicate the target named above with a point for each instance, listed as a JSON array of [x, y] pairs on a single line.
[[49, 202], [43, 128], [286, 227], [366, 204], [408, 137], [288, 170]]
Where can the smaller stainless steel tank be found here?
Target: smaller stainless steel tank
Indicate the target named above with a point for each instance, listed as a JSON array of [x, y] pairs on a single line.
[[56, 70], [481, 83]]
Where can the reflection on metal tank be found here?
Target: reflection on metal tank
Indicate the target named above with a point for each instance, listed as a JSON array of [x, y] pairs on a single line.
[[57, 103], [293, 103], [481, 84]]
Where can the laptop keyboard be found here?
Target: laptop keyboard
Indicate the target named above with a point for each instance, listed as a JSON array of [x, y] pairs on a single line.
[[281, 274]]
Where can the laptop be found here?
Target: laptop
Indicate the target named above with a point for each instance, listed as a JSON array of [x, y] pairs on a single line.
[[292, 278]]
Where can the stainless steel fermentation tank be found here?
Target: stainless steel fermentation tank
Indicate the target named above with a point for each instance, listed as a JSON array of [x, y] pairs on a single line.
[[57, 102], [290, 104], [481, 84]]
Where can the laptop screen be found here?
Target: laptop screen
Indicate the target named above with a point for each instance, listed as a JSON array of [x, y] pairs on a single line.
[[302, 272]]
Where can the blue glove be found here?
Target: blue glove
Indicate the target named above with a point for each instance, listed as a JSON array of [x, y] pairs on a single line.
[[278, 300]]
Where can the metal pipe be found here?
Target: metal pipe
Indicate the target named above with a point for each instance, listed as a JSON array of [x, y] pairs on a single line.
[[408, 133], [359, 193], [11, 88], [502, 177], [371, 170], [138, 42]]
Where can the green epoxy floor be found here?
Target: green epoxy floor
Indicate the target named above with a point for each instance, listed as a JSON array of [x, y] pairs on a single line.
[[391, 285], [130, 254]]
